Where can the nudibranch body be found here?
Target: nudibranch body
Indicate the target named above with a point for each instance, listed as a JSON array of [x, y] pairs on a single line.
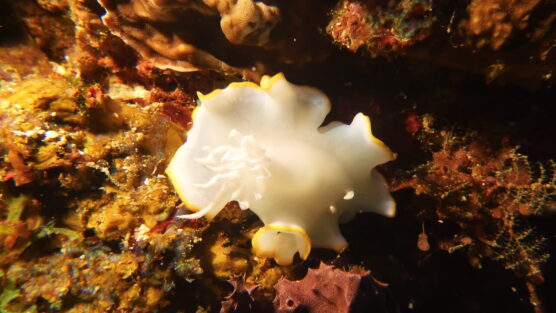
[[264, 147]]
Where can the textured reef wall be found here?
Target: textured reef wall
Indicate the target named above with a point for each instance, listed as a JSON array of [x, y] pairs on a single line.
[[96, 97]]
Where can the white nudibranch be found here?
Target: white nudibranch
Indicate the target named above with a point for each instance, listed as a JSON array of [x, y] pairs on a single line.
[[264, 147]]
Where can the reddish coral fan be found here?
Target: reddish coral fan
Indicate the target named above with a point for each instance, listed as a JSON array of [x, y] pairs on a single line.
[[327, 289]]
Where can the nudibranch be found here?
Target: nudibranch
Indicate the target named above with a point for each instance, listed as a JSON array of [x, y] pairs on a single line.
[[264, 147]]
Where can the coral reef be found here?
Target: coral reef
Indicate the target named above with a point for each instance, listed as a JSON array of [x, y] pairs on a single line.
[[488, 192], [80, 172], [54, 133], [380, 29], [331, 290], [97, 95], [492, 22], [453, 33]]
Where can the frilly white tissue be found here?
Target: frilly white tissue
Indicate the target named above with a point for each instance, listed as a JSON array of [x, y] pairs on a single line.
[[264, 147]]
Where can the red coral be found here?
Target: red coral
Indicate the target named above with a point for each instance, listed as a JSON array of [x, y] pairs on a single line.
[[325, 290]]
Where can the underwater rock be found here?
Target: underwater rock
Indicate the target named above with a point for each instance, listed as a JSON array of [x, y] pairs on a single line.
[[171, 248], [20, 60], [227, 258], [326, 289], [264, 147], [88, 279]]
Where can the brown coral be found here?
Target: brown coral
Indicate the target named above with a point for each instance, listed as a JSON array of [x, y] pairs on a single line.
[[242, 22], [380, 29], [245, 21], [494, 21], [326, 289], [252, 39]]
